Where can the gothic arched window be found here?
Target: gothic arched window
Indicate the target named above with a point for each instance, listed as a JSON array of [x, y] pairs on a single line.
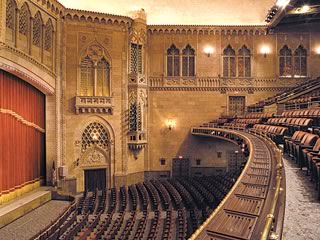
[[87, 77], [188, 61], [300, 62], [37, 30], [94, 134], [24, 19], [173, 69], [10, 14], [285, 62], [229, 62], [103, 78], [244, 62], [48, 32]]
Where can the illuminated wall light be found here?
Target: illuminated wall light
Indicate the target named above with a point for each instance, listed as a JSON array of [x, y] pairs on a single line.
[[170, 123], [282, 3], [305, 9], [208, 50], [318, 50], [265, 50]]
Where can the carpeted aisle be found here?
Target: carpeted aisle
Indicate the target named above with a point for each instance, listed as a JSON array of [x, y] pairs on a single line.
[[302, 215], [30, 224]]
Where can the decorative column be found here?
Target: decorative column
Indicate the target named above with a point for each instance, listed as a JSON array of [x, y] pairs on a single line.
[[137, 84]]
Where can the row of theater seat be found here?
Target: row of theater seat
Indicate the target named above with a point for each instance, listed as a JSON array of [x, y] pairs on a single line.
[[280, 96], [113, 214], [276, 133], [293, 124], [304, 148], [315, 112]]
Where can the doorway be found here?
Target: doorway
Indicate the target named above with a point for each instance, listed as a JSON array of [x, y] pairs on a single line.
[[95, 179], [237, 105]]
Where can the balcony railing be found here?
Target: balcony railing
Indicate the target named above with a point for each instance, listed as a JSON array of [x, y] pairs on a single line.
[[97, 104], [222, 82]]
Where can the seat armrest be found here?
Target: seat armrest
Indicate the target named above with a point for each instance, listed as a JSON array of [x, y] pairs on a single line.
[[306, 147], [314, 152]]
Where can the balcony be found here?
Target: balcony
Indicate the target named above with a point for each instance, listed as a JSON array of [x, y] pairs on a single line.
[[137, 140], [94, 105]]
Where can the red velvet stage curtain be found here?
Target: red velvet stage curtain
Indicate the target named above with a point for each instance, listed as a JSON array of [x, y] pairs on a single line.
[[22, 147]]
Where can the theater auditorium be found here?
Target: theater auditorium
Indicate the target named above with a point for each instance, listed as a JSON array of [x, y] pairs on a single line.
[[159, 120]]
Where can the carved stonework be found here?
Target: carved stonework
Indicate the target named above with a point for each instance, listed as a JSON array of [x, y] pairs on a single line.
[[189, 82], [138, 37], [94, 156], [95, 52]]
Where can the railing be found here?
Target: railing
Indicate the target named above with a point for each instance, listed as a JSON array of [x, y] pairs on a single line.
[[220, 82], [256, 198], [303, 105]]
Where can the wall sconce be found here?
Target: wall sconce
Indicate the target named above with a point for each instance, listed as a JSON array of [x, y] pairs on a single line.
[[265, 50], [170, 123], [208, 50], [318, 50], [282, 3]]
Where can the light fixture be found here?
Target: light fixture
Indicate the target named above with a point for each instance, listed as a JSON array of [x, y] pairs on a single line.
[[170, 123], [208, 50], [282, 3], [318, 50], [265, 50], [304, 9]]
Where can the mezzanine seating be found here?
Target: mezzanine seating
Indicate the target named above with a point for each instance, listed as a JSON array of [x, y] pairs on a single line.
[[276, 133]]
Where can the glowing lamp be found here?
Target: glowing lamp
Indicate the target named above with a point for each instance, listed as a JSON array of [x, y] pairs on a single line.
[[282, 3], [265, 50], [208, 50], [170, 123]]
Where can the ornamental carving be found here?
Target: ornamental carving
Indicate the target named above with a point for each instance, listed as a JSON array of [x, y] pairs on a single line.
[[95, 52], [189, 82], [94, 156], [138, 37]]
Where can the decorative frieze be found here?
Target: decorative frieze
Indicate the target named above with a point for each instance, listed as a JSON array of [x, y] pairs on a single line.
[[208, 29], [94, 105]]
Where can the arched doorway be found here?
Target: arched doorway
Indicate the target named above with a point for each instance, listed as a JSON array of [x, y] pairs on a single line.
[[95, 157]]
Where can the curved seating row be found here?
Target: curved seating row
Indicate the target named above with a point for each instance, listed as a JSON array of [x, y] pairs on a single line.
[[276, 133], [243, 206]]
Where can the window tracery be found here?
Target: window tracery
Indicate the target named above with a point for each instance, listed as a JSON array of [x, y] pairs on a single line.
[[136, 58], [87, 77], [37, 30], [94, 134], [285, 62], [48, 35], [300, 62], [229, 62], [94, 73], [24, 20], [244, 62], [10, 14], [173, 62], [188, 61]]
